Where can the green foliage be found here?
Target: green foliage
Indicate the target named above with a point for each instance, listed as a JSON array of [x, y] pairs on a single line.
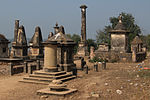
[[128, 20], [90, 43], [146, 40], [76, 38], [96, 59]]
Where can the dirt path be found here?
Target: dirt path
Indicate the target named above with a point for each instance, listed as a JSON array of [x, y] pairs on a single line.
[[120, 81]]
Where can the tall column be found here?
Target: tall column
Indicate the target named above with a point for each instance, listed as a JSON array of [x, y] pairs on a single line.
[[50, 58], [83, 23], [16, 30]]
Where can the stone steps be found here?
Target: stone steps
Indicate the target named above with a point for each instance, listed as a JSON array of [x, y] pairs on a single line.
[[34, 82], [49, 73], [49, 76], [41, 77], [38, 79]]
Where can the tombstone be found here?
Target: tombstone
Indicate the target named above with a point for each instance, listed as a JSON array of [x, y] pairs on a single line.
[[119, 38], [35, 44], [19, 45]]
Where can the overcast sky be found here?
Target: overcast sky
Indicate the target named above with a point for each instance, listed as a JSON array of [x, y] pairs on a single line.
[[45, 13]]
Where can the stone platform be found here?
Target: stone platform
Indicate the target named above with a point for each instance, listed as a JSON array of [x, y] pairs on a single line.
[[42, 77], [47, 91]]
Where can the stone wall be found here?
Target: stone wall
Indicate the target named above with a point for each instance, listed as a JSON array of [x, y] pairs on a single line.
[[115, 56], [118, 42]]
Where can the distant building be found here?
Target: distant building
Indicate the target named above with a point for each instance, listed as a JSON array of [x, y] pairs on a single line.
[[3, 46], [119, 47]]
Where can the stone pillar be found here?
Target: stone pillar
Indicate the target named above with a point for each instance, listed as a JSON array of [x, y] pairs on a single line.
[[16, 30], [50, 58], [134, 54], [10, 65], [83, 23], [92, 52], [25, 67], [38, 65]]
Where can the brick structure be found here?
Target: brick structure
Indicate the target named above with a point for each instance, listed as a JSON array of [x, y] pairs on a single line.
[[35, 44]]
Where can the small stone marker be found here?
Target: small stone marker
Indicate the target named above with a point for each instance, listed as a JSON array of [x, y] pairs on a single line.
[[56, 88]]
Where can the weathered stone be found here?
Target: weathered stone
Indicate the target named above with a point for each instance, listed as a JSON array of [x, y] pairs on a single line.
[[36, 46], [19, 45]]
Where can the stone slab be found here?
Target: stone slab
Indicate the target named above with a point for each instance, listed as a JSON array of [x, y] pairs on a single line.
[[47, 91]]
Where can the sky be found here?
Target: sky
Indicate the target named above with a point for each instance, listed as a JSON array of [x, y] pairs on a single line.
[[45, 13]]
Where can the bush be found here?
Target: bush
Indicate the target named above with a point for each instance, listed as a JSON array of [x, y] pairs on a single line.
[[96, 59]]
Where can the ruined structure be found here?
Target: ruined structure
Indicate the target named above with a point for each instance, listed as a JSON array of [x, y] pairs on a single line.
[[4, 46], [65, 49], [119, 48], [35, 44], [51, 70], [19, 45], [119, 37], [83, 49], [138, 51]]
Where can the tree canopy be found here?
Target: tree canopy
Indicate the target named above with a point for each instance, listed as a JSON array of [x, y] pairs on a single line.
[[103, 36]]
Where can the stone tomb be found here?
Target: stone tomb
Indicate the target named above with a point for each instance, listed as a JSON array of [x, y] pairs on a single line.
[[19, 45], [35, 44], [50, 70]]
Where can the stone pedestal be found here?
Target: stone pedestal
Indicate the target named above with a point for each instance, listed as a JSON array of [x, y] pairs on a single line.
[[83, 49], [56, 88], [50, 58]]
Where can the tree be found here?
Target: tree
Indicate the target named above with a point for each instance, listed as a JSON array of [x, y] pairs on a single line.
[[90, 43], [129, 23], [76, 38]]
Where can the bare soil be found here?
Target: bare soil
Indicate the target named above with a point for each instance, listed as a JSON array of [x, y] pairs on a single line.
[[120, 81]]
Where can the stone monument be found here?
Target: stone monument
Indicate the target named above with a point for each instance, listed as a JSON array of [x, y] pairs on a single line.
[[119, 38], [19, 45], [83, 49], [35, 44]]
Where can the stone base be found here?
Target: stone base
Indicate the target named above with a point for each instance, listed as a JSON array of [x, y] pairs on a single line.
[[52, 69], [83, 50], [47, 91], [67, 67]]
